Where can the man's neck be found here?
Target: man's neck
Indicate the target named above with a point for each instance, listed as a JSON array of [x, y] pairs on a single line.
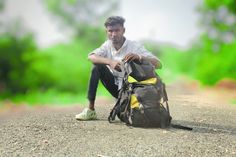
[[118, 45]]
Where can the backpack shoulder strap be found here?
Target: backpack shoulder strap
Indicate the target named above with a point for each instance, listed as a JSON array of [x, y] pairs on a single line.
[[116, 110], [113, 112]]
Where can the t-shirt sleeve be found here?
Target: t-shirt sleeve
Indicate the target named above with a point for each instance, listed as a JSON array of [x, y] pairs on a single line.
[[101, 51], [141, 50]]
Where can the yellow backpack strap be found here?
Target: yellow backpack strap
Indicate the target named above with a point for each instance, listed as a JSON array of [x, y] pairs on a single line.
[[134, 102], [131, 79], [148, 81]]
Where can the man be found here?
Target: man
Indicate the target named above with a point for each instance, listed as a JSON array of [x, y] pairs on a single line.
[[107, 60]]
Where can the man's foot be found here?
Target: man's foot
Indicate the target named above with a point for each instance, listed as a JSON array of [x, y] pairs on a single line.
[[86, 114]]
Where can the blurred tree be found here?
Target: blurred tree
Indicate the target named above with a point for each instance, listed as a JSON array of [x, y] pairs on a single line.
[[17, 49], [82, 16], [219, 20], [15, 56], [211, 56]]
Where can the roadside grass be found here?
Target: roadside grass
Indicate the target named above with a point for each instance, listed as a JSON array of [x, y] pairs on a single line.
[[52, 98]]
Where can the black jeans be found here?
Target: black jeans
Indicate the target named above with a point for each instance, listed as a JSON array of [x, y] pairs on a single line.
[[102, 73]]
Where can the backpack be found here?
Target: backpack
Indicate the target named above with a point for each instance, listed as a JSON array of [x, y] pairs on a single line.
[[142, 97]]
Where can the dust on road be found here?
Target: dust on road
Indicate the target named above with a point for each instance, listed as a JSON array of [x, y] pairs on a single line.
[[55, 132]]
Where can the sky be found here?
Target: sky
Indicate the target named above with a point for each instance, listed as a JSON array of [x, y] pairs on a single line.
[[174, 21], [166, 21]]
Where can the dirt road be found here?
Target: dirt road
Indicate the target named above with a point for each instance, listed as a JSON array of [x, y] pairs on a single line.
[[55, 132]]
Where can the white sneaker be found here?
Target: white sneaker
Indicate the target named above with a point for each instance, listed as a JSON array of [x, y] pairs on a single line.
[[86, 114]]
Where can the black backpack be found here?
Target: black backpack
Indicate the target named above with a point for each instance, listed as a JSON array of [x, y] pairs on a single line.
[[142, 97]]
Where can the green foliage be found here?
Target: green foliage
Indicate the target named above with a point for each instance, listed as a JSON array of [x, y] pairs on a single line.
[[36, 74], [214, 66], [63, 67], [200, 62], [170, 70], [58, 74], [219, 20], [69, 68], [215, 4], [217, 44], [15, 56]]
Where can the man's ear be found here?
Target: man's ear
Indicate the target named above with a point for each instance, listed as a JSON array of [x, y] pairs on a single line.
[[124, 30]]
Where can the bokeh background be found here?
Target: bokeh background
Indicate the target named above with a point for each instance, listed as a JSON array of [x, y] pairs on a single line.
[[44, 44]]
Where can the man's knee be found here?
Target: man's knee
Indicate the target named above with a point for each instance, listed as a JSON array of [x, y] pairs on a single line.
[[99, 68]]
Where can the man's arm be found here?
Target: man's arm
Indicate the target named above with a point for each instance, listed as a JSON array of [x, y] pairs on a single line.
[[96, 59], [156, 63], [131, 56]]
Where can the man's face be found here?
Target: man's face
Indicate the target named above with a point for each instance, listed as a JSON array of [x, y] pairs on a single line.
[[115, 33]]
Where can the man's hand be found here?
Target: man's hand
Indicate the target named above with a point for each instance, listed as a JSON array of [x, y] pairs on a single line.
[[131, 57], [115, 65]]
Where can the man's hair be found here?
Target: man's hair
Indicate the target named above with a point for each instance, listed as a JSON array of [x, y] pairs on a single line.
[[113, 20]]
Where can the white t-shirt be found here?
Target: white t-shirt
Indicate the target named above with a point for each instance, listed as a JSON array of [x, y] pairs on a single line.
[[107, 50]]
